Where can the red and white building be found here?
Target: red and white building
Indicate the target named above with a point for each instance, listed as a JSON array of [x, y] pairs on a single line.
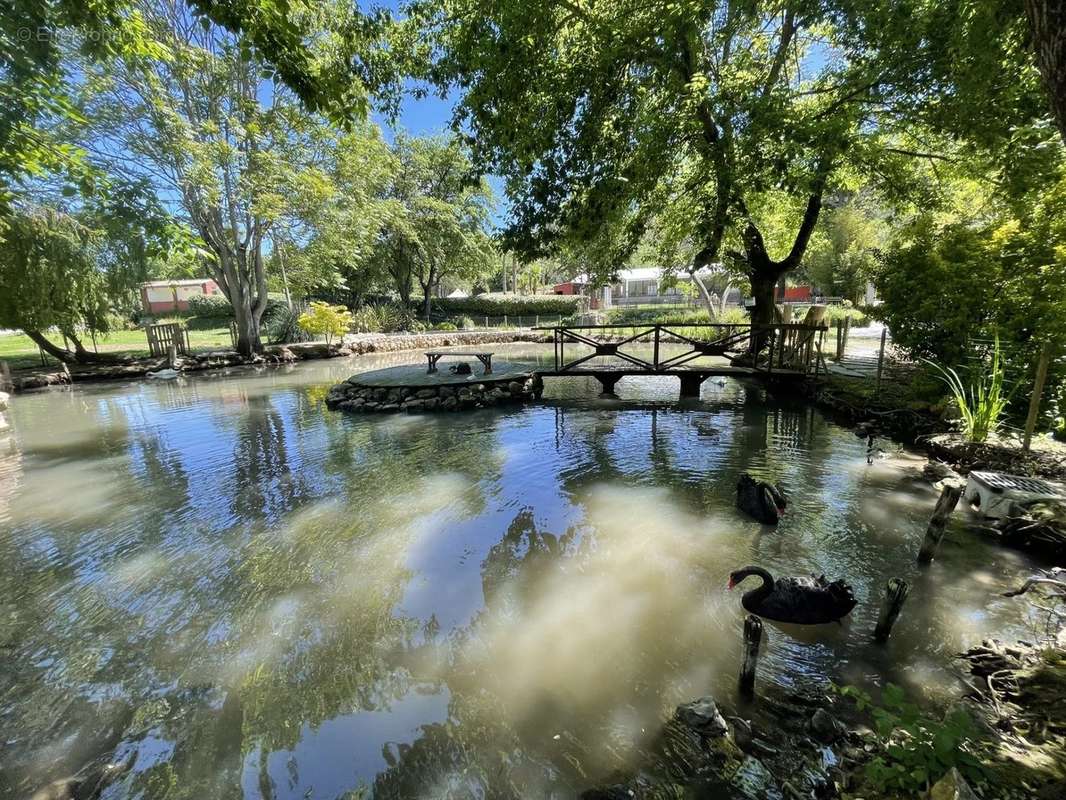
[[166, 297]]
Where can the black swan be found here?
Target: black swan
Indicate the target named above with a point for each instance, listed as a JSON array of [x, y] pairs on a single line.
[[761, 500], [804, 601]]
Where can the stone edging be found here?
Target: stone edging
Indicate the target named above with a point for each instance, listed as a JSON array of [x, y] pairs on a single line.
[[358, 398]]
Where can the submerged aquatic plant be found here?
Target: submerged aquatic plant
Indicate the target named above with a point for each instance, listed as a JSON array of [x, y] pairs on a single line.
[[983, 402]]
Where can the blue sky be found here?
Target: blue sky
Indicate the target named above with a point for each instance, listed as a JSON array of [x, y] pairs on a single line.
[[432, 115], [429, 116]]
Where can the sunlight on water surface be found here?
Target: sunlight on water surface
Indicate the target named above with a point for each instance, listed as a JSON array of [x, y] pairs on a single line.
[[257, 597]]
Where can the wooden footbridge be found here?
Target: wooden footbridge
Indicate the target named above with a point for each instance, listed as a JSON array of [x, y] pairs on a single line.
[[691, 351]]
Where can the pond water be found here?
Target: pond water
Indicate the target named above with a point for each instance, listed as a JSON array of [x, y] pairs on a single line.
[[261, 598]]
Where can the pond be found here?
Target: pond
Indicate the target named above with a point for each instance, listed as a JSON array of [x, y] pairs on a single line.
[[261, 598]]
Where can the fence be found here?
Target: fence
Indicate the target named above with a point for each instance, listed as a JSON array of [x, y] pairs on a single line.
[[160, 337]]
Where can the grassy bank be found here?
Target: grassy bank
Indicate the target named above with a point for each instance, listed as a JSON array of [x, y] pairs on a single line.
[[20, 352]]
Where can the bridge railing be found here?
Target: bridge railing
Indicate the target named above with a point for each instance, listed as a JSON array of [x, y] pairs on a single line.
[[781, 346]]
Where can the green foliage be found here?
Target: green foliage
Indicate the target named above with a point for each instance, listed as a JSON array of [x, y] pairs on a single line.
[[697, 120], [651, 316], [1058, 430], [488, 305], [984, 401], [837, 313], [324, 319], [445, 326], [466, 324], [842, 255], [281, 324], [939, 289], [437, 225], [385, 318], [914, 750], [366, 320], [66, 271], [331, 55], [210, 305], [972, 270]]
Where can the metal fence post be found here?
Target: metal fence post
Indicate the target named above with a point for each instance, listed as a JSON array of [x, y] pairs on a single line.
[[1038, 390]]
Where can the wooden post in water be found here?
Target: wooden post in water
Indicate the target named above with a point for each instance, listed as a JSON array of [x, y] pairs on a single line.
[[172, 355], [1038, 390], [934, 532], [752, 639], [895, 593], [881, 357]]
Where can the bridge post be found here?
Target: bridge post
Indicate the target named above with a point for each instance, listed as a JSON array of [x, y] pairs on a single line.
[[690, 384], [607, 383]]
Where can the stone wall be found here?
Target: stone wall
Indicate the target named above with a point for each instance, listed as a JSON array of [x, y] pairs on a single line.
[[357, 398]]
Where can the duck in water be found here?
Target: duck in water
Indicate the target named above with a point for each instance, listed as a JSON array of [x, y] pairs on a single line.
[[803, 601]]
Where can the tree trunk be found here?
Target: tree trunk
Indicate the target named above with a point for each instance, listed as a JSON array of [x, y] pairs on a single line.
[[763, 285], [244, 285], [54, 350], [1047, 20], [249, 342], [724, 298], [705, 296]]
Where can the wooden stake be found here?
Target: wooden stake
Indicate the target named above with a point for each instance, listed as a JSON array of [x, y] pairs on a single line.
[[934, 532], [1038, 390], [895, 593], [752, 639], [881, 357]]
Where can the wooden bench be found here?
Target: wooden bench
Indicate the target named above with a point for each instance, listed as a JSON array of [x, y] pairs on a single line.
[[434, 357]]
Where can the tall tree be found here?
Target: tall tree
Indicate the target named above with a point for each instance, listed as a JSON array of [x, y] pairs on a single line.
[[206, 124], [65, 270], [602, 115], [436, 229], [1047, 19]]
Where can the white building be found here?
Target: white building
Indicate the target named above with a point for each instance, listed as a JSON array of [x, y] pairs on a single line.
[[641, 285]]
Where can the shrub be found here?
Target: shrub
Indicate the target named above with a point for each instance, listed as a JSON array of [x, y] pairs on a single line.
[[983, 402], [327, 320], [497, 305], [210, 305], [281, 325], [395, 317], [466, 324], [366, 320], [915, 751], [385, 318], [445, 326]]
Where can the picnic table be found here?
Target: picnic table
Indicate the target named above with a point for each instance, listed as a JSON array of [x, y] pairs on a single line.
[[434, 356]]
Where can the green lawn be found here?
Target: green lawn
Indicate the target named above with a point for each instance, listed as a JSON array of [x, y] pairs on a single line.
[[21, 353]]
